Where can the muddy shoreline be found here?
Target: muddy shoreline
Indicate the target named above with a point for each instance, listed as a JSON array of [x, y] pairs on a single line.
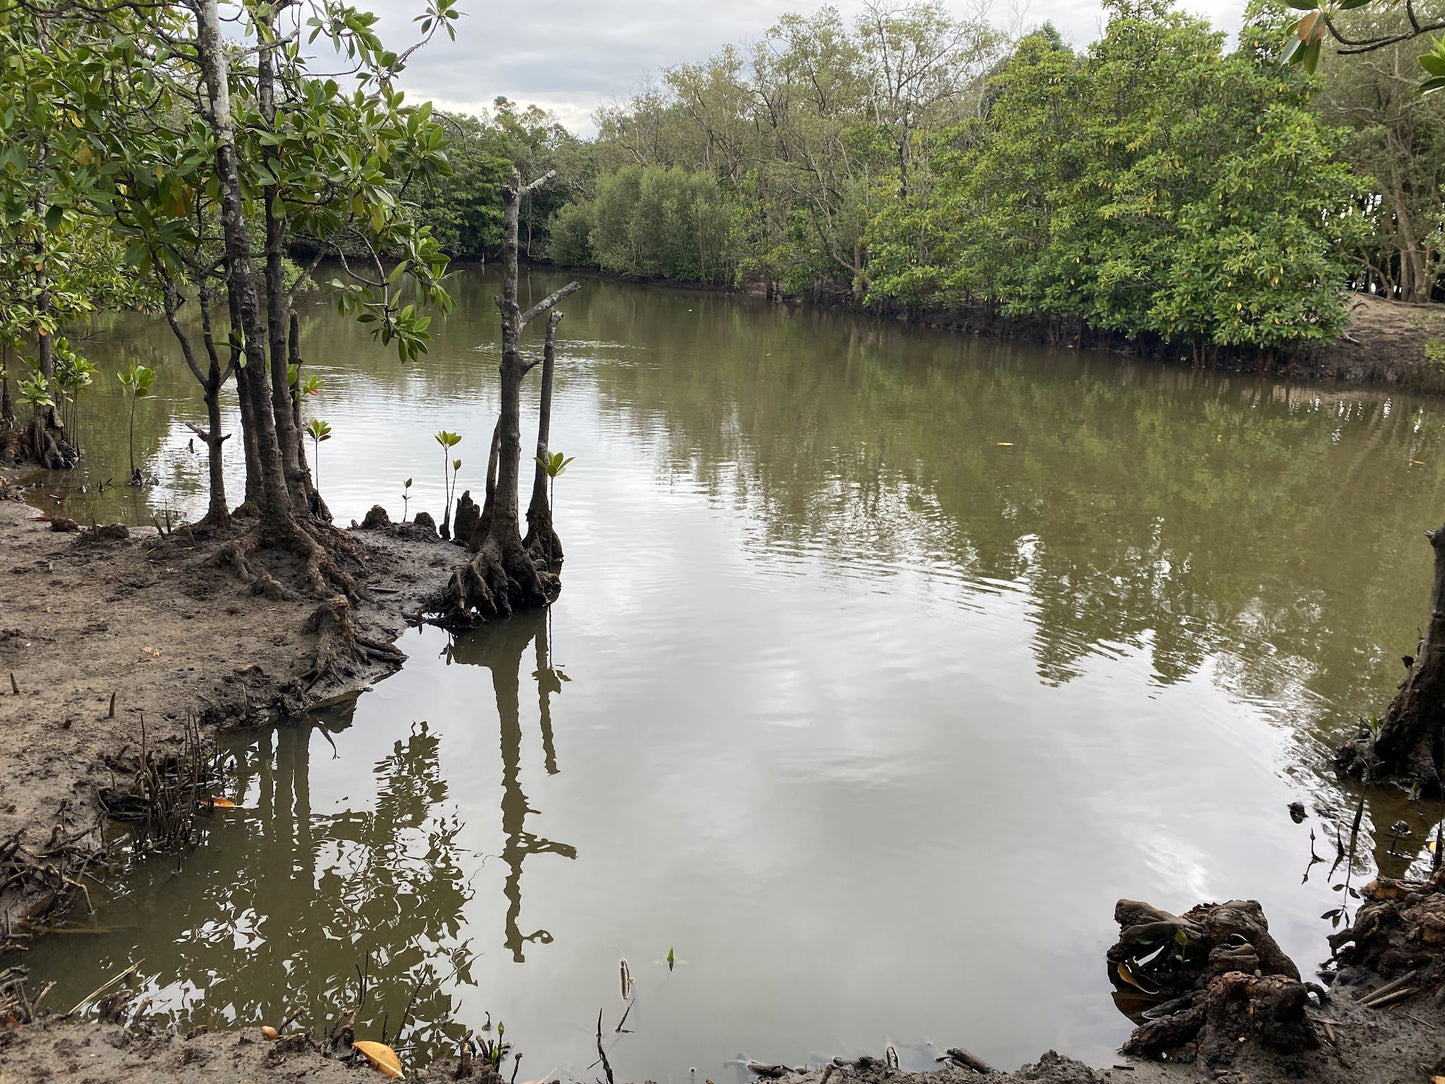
[[95, 620], [120, 643]]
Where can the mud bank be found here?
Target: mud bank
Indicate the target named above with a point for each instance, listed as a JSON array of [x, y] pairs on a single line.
[[1370, 1047], [109, 644]]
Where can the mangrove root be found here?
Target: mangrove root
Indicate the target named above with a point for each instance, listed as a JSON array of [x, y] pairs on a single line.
[[342, 651], [1218, 979], [495, 583], [1398, 932]]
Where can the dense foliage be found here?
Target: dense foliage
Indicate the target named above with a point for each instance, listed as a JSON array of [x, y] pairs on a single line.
[[1157, 185], [464, 209], [1396, 141], [1212, 212]]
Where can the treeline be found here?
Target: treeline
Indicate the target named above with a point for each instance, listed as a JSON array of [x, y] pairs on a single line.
[[1156, 185], [463, 209]]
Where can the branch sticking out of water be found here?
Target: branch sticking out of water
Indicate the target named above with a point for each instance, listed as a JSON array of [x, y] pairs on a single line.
[[601, 1053]]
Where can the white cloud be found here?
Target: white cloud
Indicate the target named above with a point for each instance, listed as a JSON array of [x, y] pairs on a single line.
[[571, 56]]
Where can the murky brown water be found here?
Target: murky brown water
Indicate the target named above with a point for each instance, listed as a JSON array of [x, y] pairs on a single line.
[[887, 660]]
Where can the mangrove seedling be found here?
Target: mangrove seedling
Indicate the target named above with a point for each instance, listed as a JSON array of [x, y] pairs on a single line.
[[405, 497], [318, 431], [73, 374], [303, 388], [554, 465], [35, 390], [136, 381], [448, 441]]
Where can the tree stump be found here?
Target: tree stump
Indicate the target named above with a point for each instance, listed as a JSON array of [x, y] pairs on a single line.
[[1218, 979]]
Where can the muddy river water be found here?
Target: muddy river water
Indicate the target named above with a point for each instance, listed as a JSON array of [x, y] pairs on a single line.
[[886, 661]]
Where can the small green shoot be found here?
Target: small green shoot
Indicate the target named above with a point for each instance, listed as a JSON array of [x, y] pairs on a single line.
[[318, 431]]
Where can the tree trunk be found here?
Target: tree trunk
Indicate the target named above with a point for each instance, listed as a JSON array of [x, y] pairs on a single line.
[[503, 576], [315, 506], [278, 308], [542, 541], [277, 518], [250, 443], [48, 446], [1409, 744], [217, 513]]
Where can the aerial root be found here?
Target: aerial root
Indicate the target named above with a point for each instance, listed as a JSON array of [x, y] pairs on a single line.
[[324, 552], [233, 555]]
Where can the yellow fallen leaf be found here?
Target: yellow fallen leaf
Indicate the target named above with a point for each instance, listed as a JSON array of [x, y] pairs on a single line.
[[381, 1056], [220, 803], [1127, 974]]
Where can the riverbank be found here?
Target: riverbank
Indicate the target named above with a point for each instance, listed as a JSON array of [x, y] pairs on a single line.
[[121, 640], [1384, 344], [1364, 1046]]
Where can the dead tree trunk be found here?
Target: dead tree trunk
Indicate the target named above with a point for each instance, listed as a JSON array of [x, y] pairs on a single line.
[[542, 541], [1409, 745], [503, 576]]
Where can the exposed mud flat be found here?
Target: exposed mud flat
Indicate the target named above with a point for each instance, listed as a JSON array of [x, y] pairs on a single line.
[[116, 642], [1385, 342], [1372, 1047]]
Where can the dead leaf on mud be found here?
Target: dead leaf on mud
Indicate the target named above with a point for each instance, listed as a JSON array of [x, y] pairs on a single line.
[[381, 1056]]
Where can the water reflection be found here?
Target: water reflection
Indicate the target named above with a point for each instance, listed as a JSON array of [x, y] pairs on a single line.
[[500, 650], [860, 618], [284, 902]]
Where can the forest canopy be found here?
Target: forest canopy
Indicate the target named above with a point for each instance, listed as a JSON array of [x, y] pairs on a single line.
[[1164, 183]]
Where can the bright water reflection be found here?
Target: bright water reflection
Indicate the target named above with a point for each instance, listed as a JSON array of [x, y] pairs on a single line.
[[886, 662]]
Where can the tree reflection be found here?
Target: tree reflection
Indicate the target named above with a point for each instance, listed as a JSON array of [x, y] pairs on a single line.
[[276, 912], [499, 647]]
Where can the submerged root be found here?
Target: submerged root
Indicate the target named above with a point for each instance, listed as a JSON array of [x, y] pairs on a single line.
[[1216, 978]]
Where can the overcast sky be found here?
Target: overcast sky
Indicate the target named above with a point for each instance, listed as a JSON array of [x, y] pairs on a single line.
[[570, 56]]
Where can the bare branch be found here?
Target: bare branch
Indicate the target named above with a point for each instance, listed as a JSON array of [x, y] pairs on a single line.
[[547, 302]]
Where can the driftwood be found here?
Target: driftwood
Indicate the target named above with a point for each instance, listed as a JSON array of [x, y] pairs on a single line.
[[1217, 979]]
